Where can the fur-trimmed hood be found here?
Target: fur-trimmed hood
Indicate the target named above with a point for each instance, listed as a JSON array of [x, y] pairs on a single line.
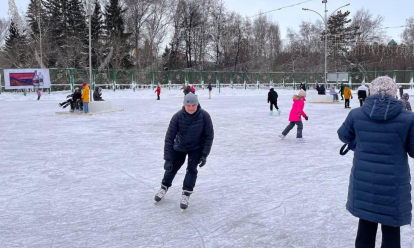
[[296, 97]]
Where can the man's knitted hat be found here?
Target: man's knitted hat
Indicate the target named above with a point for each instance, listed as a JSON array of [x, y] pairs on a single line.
[[190, 98], [384, 85]]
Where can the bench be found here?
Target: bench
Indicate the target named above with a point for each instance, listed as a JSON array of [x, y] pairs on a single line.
[[321, 98], [99, 106]]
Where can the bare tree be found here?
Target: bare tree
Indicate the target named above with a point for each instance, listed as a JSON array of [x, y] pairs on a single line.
[[370, 27], [408, 33]]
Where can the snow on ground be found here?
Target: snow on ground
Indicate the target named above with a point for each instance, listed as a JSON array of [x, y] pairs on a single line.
[[89, 181]]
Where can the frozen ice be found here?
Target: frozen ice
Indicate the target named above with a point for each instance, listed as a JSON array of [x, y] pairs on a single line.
[[89, 181]]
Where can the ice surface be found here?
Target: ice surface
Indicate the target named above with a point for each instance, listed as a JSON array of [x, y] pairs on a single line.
[[89, 181]]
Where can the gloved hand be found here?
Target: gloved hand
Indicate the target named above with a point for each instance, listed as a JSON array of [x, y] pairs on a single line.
[[307, 117], [352, 97], [203, 161], [168, 165]]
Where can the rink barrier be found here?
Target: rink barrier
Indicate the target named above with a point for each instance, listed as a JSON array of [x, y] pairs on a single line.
[[69, 79]]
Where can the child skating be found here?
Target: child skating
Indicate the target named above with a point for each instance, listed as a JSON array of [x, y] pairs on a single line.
[[347, 95], [272, 98], [158, 90], [295, 117]]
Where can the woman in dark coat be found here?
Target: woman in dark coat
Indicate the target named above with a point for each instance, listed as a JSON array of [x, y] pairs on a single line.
[[97, 94], [380, 133]]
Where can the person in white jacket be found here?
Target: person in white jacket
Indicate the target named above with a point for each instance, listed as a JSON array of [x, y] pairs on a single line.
[[363, 93]]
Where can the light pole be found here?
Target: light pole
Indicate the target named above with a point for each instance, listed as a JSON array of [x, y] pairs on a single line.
[[325, 20]]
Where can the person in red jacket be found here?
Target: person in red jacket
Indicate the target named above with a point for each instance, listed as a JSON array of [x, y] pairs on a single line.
[[295, 117], [158, 90]]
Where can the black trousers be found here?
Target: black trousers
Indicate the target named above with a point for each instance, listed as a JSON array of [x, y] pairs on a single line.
[[361, 101], [158, 97], [191, 174], [367, 231], [342, 96], [346, 103], [273, 103], [291, 125]]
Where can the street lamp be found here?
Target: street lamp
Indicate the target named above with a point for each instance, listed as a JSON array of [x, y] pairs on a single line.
[[90, 43], [325, 20]]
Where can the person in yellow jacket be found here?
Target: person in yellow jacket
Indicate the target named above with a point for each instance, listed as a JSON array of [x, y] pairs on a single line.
[[347, 95], [85, 97]]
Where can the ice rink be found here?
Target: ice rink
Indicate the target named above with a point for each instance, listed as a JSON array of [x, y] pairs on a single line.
[[89, 181]]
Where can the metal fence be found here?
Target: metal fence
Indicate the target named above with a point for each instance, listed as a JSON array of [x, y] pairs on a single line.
[[68, 79]]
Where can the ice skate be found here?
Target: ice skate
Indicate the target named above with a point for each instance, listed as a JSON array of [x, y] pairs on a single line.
[[185, 199], [161, 193], [271, 112], [278, 112], [300, 140], [281, 136]]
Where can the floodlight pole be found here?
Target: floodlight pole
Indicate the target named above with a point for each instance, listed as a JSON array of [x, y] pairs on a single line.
[[90, 42]]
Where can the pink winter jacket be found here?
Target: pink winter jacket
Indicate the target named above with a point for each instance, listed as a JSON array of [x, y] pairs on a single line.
[[297, 108]]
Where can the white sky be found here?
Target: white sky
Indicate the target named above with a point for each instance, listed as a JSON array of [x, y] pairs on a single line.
[[395, 12]]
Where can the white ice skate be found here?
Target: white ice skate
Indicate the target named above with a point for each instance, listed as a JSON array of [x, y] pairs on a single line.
[[185, 199], [300, 140], [161, 193], [281, 136]]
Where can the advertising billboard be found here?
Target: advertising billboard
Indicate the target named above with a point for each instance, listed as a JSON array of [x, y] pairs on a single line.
[[26, 78]]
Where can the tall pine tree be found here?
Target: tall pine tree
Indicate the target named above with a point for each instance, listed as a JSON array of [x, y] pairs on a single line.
[[15, 48], [97, 34], [116, 38]]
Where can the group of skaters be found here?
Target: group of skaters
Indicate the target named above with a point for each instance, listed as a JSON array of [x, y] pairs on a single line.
[[379, 190], [79, 100]]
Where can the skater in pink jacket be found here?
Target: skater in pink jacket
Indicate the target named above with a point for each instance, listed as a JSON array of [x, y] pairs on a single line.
[[39, 94], [295, 117]]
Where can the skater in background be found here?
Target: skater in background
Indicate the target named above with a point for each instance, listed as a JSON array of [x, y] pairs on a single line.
[[347, 95], [295, 117], [362, 92], [381, 134], [401, 91], [85, 98], [303, 87], [209, 90], [192, 89], [341, 91], [97, 94], [69, 101], [191, 134], [333, 93], [405, 100], [272, 98], [321, 89], [158, 90], [39, 94]]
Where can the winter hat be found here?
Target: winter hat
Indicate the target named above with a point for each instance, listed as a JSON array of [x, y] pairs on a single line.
[[302, 93], [84, 84], [190, 98], [271, 87], [384, 85], [77, 88]]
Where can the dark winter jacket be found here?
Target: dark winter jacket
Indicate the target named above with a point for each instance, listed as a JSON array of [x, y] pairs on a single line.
[[97, 95], [272, 96], [76, 96], [209, 88], [401, 90], [187, 90], [381, 134], [189, 132], [303, 87], [321, 90]]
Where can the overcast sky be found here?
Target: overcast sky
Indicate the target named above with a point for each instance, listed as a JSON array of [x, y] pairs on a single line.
[[395, 12]]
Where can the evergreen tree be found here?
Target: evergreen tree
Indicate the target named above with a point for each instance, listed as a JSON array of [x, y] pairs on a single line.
[[77, 35], [15, 48], [341, 35], [36, 14], [116, 37], [96, 33]]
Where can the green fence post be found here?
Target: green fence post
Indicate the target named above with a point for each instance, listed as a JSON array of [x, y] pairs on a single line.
[[169, 80], [133, 81], [231, 79], [72, 79], [93, 79], [271, 79], [218, 81], [294, 80], [244, 78], [283, 80], [258, 80], [24, 92], [412, 79], [152, 80], [186, 78], [113, 80], [49, 90], [202, 77]]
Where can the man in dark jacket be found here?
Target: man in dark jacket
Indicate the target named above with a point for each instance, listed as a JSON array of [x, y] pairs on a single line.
[[272, 98], [191, 134], [381, 134], [77, 100], [321, 90], [97, 94]]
